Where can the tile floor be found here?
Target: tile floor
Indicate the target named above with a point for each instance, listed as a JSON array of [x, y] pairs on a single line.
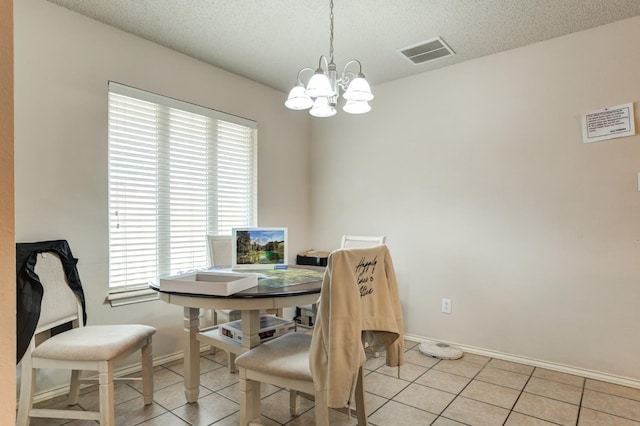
[[473, 390]]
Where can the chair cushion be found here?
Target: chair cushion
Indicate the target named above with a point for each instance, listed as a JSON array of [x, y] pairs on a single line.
[[94, 343], [286, 356]]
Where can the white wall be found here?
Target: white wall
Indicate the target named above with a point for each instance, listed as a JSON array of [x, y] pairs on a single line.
[[479, 178], [63, 62]]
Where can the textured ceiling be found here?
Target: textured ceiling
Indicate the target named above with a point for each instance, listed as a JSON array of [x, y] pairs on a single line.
[[270, 40]]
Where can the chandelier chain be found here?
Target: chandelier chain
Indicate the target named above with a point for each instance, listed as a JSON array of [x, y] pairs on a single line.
[[331, 30]]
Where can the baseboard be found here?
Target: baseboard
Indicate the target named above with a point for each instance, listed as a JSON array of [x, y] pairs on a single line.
[[591, 374]]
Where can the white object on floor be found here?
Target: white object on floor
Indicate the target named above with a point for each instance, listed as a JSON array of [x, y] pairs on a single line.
[[440, 350]]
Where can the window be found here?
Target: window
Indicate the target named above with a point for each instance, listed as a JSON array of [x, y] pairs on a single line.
[[177, 172]]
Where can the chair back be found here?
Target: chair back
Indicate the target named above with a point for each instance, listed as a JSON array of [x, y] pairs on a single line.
[[357, 241], [359, 303], [219, 247], [59, 304]]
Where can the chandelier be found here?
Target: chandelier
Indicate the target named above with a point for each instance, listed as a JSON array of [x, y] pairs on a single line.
[[322, 90]]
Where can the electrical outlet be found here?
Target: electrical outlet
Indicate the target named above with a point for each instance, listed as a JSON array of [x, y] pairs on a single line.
[[446, 305]]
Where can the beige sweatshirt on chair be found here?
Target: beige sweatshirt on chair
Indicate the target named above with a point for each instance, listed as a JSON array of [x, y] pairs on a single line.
[[359, 301]]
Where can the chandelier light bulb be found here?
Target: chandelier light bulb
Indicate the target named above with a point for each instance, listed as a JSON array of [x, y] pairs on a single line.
[[319, 85], [298, 99], [321, 108], [356, 107], [358, 90]]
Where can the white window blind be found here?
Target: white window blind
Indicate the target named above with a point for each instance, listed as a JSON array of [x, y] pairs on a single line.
[[177, 172]]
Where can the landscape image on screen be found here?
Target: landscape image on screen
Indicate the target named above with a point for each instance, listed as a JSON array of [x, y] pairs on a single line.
[[260, 247]]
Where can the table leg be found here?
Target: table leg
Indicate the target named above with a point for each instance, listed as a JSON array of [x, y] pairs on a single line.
[[191, 355], [250, 325], [250, 328]]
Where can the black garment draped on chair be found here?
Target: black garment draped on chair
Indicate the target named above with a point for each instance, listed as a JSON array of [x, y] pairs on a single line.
[[29, 290]]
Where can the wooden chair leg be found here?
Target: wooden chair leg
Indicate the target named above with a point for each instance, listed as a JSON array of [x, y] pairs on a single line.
[[294, 403], [214, 320], [27, 384], [147, 373], [106, 392], [249, 399], [74, 388], [321, 410], [231, 361], [361, 409]]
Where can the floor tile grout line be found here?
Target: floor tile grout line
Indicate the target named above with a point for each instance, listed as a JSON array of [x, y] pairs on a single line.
[[609, 413], [614, 395], [161, 414], [581, 399], [459, 394], [398, 393], [519, 396]]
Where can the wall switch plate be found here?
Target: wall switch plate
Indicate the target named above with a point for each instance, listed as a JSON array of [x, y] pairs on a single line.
[[446, 305], [638, 182]]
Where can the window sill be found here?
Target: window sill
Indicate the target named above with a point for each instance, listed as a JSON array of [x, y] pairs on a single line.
[[132, 296]]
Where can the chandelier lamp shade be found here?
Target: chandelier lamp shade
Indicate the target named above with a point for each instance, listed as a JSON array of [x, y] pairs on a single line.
[[320, 95]]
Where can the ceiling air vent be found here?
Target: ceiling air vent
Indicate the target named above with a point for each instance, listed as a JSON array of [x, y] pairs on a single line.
[[426, 51]]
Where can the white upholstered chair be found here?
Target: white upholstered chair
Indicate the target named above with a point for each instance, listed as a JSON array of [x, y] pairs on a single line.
[[96, 348], [355, 241], [349, 241], [285, 361], [219, 249]]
